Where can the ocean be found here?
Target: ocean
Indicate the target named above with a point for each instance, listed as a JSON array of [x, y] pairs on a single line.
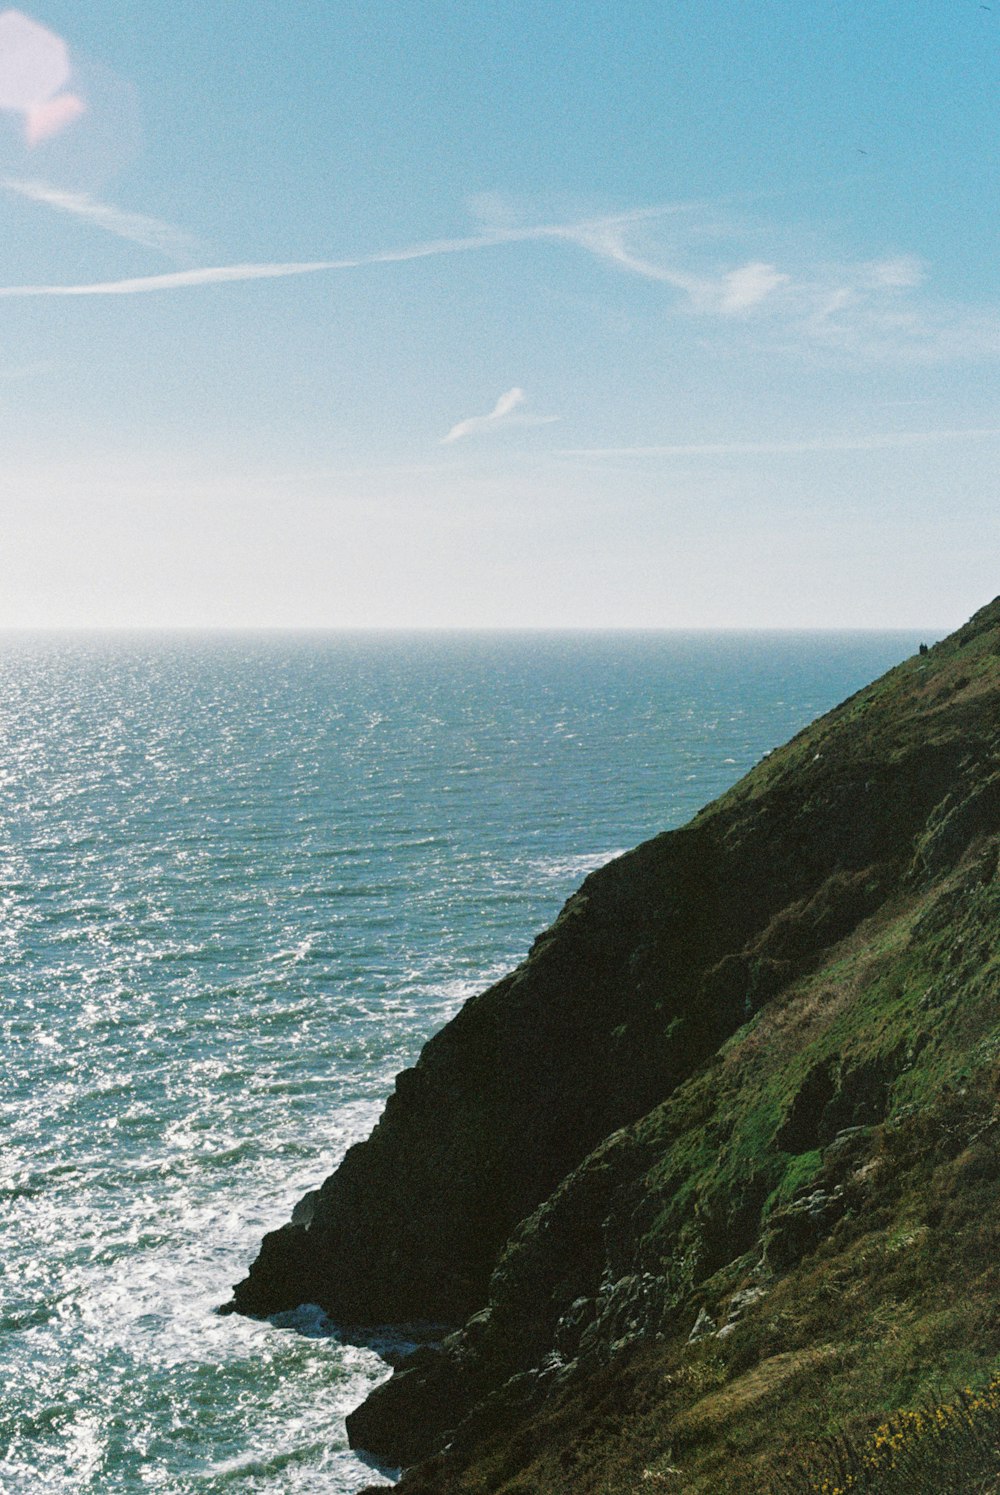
[[243, 878]]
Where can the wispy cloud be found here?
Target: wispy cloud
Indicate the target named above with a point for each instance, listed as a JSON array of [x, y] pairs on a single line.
[[268, 270], [859, 443], [870, 310], [587, 234], [864, 310], [902, 271], [748, 286], [606, 238], [881, 312], [506, 412], [152, 233], [732, 291], [175, 280]]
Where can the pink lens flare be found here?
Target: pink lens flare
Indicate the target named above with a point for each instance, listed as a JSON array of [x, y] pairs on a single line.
[[64, 116], [43, 121]]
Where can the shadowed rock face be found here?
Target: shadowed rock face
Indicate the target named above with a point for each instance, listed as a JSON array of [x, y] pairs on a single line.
[[511, 1094], [658, 959]]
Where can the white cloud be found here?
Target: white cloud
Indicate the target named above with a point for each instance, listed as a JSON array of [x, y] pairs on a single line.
[[152, 233], [600, 236], [177, 279], [875, 441], [904, 272], [504, 413], [227, 274], [731, 291], [865, 310], [749, 285], [605, 238], [880, 313], [493, 210], [139, 228]]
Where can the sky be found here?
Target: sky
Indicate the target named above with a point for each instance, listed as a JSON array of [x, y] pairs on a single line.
[[409, 313]]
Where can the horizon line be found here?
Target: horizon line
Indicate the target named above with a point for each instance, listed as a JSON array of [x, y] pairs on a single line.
[[935, 632]]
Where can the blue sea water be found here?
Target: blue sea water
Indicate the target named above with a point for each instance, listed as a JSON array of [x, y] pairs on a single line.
[[242, 879]]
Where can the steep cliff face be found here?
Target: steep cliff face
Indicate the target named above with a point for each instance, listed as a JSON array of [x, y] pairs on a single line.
[[675, 1100]]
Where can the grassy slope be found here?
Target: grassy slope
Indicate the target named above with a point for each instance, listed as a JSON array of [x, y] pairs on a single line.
[[834, 1161], [891, 1303], [655, 961]]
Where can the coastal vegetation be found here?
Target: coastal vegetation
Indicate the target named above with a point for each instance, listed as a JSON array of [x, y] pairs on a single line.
[[952, 1445], [708, 1189]]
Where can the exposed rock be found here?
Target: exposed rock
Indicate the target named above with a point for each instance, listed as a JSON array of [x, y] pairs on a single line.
[[714, 1062], [740, 1302], [704, 1325]]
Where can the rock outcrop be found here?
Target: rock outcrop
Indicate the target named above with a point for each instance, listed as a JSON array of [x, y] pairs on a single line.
[[686, 1090]]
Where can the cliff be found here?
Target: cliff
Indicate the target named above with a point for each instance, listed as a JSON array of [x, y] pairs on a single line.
[[655, 1174]]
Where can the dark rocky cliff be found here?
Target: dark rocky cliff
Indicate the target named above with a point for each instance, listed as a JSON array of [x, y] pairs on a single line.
[[618, 1134]]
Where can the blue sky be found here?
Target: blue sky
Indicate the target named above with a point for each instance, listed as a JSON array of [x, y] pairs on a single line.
[[424, 314]]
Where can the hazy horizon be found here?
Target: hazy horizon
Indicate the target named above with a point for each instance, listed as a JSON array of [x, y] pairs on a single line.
[[935, 632]]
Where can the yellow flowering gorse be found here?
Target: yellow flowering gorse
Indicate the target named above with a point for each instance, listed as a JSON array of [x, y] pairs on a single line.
[[925, 1435]]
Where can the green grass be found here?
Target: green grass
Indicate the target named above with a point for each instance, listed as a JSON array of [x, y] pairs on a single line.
[[896, 1300], [948, 1446], [826, 1183]]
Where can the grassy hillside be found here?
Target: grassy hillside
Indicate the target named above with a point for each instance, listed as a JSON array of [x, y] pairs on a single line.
[[820, 1203], [714, 1173], [842, 1271]]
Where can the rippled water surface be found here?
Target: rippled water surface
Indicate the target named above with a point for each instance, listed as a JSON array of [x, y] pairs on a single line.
[[242, 879]]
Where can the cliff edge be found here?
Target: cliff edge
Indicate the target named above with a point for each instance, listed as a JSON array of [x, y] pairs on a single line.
[[625, 1155]]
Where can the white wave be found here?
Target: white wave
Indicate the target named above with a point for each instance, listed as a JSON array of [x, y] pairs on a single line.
[[572, 866]]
